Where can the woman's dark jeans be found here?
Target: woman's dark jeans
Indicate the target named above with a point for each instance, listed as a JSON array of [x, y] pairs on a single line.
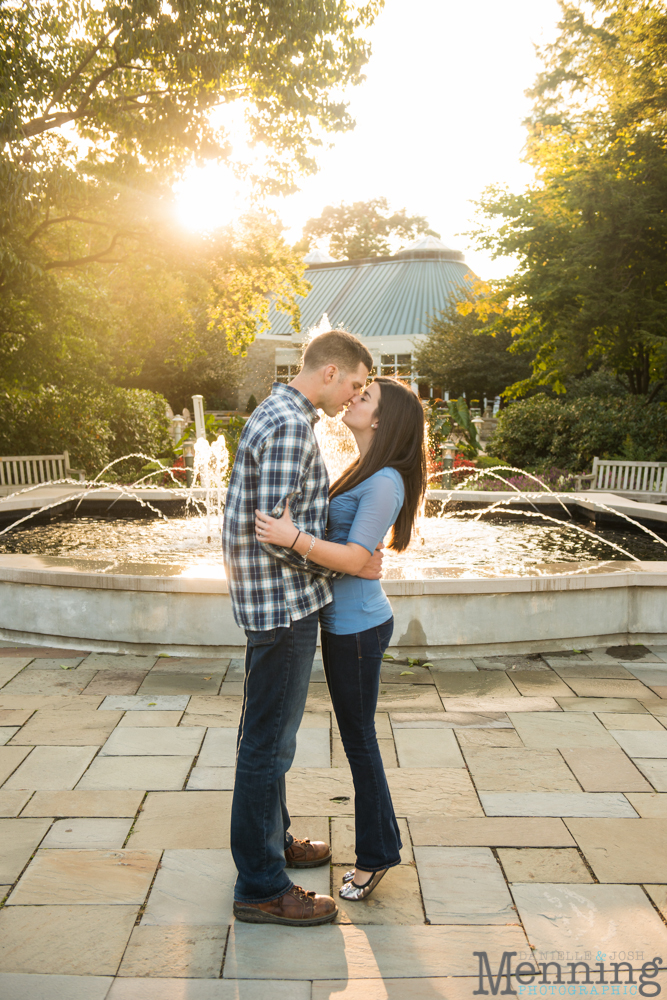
[[352, 666]]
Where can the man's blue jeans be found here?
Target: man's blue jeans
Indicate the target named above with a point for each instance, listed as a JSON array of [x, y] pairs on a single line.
[[277, 672]]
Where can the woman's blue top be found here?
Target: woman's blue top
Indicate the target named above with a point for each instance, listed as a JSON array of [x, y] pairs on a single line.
[[363, 515]]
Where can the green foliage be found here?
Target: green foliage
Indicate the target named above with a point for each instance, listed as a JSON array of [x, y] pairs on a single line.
[[251, 405], [94, 428], [542, 432], [232, 429], [451, 417], [590, 234], [363, 229], [462, 357]]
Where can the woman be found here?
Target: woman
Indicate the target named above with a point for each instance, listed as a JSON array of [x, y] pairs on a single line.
[[382, 488]]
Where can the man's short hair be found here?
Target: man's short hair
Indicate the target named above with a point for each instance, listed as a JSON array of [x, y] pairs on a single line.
[[337, 347]]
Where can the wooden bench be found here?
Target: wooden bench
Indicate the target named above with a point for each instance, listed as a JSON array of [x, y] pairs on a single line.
[[29, 470], [626, 478]]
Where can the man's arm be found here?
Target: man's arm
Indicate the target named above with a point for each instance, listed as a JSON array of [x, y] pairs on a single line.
[[284, 462]]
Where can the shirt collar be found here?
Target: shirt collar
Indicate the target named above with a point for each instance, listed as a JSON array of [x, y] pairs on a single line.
[[298, 398]]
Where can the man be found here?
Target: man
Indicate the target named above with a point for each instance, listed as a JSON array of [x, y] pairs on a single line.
[[276, 596]]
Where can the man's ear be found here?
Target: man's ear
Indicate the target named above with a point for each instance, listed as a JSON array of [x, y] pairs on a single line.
[[330, 373]]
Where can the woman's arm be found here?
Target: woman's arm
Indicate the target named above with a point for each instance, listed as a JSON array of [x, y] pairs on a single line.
[[350, 558]]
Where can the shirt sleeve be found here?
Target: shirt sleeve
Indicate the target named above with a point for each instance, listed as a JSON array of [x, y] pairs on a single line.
[[378, 508], [284, 463]]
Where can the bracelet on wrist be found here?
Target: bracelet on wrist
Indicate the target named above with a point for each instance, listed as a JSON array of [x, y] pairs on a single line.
[[312, 542], [295, 540]]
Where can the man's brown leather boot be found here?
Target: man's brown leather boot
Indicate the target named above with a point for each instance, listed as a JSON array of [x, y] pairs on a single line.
[[297, 908], [307, 854]]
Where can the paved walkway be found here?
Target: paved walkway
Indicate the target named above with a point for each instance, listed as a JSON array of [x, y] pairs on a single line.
[[532, 792]]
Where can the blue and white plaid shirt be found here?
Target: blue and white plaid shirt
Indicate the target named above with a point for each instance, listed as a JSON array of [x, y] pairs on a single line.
[[278, 461]]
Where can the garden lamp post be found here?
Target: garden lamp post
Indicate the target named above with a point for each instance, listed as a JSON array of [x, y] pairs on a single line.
[[448, 448], [189, 461]]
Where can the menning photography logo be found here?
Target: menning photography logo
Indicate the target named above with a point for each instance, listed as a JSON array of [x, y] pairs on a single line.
[[553, 977]]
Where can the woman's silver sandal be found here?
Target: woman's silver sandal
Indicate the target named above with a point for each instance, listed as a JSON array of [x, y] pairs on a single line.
[[350, 890], [349, 876]]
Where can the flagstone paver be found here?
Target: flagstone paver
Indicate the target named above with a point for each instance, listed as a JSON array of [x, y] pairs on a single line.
[[500, 704], [489, 832], [623, 850], [20, 986], [543, 864], [18, 840], [400, 901], [445, 791], [49, 681], [591, 687], [428, 748], [12, 802], [553, 732], [207, 989], [475, 684], [182, 820], [533, 683], [452, 720], [192, 888], [94, 877], [655, 770], [649, 804], [598, 705], [181, 683], [180, 951], [509, 770], [460, 988], [463, 885], [611, 804], [52, 767], [215, 779], [6, 733], [313, 748], [611, 670], [115, 682], [147, 772], [150, 719], [642, 744], [369, 952], [617, 720], [14, 717], [605, 770], [488, 738], [67, 727], [88, 833], [205, 665], [154, 741], [120, 661], [658, 894], [580, 918], [145, 703], [84, 803], [66, 940]]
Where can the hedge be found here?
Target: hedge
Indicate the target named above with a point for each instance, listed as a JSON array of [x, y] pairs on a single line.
[[94, 427], [542, 432]]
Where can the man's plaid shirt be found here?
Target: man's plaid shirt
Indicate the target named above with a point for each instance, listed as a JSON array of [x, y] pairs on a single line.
[[278, 460]]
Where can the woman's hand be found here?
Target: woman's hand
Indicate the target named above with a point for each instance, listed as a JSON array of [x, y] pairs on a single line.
[[275, 531]]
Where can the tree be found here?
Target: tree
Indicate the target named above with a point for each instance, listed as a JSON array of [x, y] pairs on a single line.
[[463, 358], [590, 235], [363, 229]]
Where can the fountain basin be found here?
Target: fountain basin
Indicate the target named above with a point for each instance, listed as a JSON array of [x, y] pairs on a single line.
[[55, 601]]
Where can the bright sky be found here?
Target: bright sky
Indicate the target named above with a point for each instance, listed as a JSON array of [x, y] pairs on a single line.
[[438, 119]]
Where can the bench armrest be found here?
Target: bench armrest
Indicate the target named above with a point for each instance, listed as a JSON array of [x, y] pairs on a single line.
[[80, 474], [580, 480]]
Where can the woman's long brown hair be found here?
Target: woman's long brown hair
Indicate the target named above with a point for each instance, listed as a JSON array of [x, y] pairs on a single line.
[[398, 443]]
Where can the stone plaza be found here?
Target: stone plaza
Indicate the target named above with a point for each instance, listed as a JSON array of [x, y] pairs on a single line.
[[531, 791]]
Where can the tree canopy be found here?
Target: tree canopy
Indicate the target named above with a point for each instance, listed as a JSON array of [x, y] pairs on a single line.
[[590, 234], [103, 104], [363, 229], [465, 355]]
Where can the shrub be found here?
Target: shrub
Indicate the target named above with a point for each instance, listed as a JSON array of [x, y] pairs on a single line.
[[94, 427], [543, 432]]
